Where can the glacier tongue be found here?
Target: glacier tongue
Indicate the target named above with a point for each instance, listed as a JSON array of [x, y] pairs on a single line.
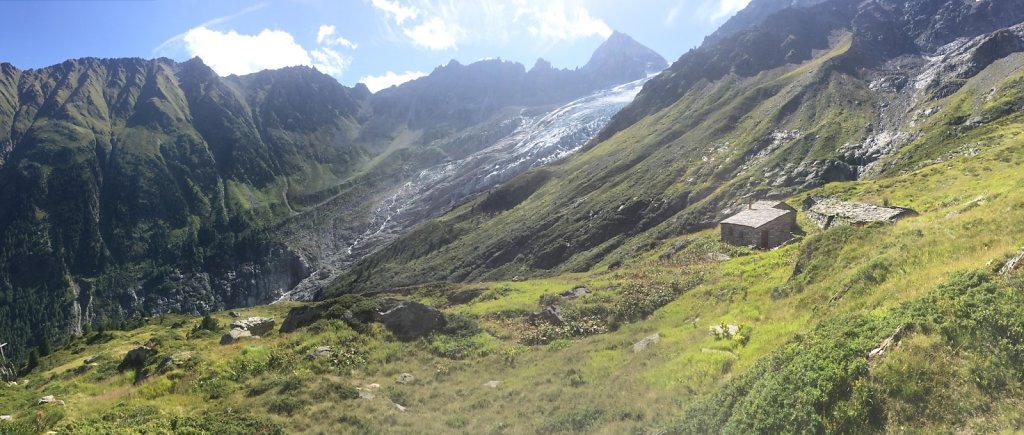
[[538, 140]]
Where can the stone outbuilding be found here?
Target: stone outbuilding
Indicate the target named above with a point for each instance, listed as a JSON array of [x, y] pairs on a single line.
[[763, 224], [831, 212]]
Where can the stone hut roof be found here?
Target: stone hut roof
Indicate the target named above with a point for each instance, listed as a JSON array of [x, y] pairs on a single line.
[[756, 218], [855, 211], [770, 204]]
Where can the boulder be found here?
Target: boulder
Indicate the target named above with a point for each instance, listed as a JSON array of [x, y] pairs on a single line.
[[257, 326], [492, 384], [366, 395], [176, 360], [136, 358], [235, 335], [405, 378], [550, 314], [234, 314], [91, 359], [50, 400], [301, 317], [725, 331], [410, 320], [575, 293], [889, 342], [648, 341], [321, 352], [1012, 264]]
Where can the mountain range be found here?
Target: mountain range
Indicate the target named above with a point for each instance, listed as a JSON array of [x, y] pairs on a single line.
[[137, 186], [496, 249]]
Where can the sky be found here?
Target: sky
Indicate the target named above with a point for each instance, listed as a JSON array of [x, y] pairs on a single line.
[[376, 42]]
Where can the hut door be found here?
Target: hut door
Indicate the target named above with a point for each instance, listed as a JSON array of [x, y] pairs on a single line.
[[764, 239]]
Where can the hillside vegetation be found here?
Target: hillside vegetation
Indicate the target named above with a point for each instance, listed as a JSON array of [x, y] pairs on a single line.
[[808, 315]]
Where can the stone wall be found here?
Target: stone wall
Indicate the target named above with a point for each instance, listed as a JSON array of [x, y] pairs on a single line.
[[779, 231]]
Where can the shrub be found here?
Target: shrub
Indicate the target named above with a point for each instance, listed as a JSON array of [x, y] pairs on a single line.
[[548, 299], [456, 347], [285, 405], [461, 325]]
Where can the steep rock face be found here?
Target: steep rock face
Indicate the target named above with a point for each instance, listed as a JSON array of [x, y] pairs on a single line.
[[621, 59], [116, 173]]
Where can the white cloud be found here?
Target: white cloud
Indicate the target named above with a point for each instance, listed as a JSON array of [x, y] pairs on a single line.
[[672, 14], [434, 34], [389, 79], [325, 35], [234, 53], [557, 22], [727, 8], [395, 10]]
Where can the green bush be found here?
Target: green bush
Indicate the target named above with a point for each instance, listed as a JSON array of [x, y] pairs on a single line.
[[548, 299], [285, 405], [461, 325]]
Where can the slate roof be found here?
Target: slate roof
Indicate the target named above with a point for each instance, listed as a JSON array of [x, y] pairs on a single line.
[[767, 204], [756, 218], [856, 211]]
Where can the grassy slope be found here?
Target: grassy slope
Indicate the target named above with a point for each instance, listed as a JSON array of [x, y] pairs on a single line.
[[971, 208], [669, 173]]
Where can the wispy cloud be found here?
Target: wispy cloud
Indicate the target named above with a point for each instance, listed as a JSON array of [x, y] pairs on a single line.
[[435, 34], [448, 24], [670, 18], [389, 79], [209, 23], [396, 10], [326, 35]]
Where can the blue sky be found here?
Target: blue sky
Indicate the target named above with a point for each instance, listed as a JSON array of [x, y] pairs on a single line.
[[379, 42]]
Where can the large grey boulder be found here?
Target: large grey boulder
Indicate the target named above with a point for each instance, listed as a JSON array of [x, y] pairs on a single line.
[[253, 327], [234, 335], [50, 400], [136, 358], [648, 341], [550, 314], [410, 320], [300, 317], [405, 378], [258, 326]]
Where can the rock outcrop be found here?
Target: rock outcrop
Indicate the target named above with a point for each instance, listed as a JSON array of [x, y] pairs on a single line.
[[648, 341], [253, 327], [136, 358], [301, 317], [410, 320]]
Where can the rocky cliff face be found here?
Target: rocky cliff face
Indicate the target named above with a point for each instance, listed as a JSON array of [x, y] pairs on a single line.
[[137, 186]]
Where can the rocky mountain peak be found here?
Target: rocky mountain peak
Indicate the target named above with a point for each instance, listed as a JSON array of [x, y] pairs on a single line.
[[621, 58]]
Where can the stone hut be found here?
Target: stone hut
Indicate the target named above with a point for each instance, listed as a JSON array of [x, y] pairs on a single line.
[[830, 212], [763, 224]]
